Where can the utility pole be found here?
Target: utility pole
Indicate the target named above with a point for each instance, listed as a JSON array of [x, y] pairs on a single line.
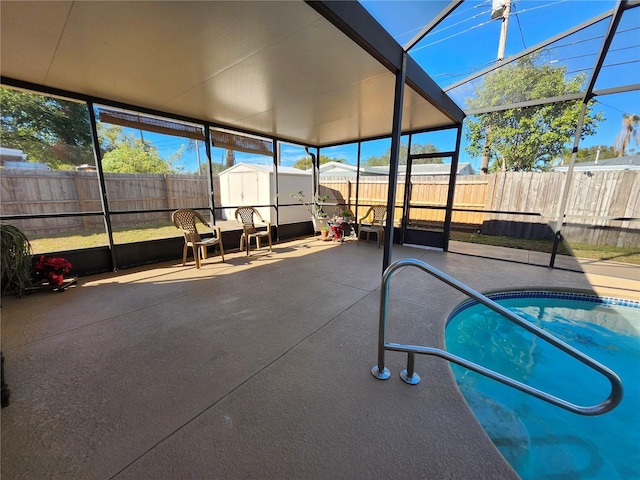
[[499, 9], [506, 11]]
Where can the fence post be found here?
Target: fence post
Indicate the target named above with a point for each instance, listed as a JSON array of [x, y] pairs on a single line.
[[167, 186], [81, 198]]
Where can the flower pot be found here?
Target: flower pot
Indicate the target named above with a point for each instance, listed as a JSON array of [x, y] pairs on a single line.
[[319, 222]]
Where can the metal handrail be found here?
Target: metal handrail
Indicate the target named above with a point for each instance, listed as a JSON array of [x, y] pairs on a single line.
[[409, 376]]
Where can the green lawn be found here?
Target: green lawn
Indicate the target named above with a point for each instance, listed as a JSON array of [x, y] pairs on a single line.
[[97, 238], [626, 255], [63, 242]]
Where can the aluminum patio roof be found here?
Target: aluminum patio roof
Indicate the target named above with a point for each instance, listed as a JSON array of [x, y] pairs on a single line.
[[315, 73]]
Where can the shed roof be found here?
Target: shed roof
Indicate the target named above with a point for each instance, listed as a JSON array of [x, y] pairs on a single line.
[[243, 167]]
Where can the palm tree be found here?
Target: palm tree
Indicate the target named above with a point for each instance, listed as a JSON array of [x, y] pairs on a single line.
[[230, 158], [630, 124]]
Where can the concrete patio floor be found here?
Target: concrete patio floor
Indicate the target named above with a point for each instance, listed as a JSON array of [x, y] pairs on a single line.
[[258, 367]]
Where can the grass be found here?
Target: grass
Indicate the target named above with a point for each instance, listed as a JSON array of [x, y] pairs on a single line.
[[98, 238], [625, 255], [62, 241]]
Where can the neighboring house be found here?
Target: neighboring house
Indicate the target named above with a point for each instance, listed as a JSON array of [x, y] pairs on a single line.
[[85, 167], [14, 158], [437, 169], [25, 165], [12, 155], [629, 162], [338, 169]]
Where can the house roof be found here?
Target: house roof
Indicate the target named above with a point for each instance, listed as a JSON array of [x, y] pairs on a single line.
[[339, 169], [315, 73], [436, 169], [628, 162], [12, 154]]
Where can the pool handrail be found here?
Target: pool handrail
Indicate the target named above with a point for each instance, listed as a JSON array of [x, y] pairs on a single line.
[[409, 376]]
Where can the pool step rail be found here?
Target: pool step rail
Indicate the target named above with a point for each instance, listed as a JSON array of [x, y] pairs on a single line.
[[410, 376]]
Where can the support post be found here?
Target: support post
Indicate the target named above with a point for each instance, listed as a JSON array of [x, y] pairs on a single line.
[[401, 77], [207, 150], [588, 95], [409, 375], [101, 184]]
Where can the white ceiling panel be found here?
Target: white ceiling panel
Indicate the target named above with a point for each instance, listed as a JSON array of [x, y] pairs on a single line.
[[30, 35], [276, 68]]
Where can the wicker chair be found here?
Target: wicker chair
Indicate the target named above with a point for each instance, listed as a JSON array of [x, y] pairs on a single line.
[[375, 225], [185, 220], [248, 216]]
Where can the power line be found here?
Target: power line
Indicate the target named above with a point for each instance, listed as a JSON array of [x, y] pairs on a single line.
[[451, 36], [479, 5], [610, 106], [549, 48], [620, 63], [591, 54], [438, 31], [543, 6], [455, 13], [603, 66], [547, 51], [599, 37], [484, 12], [519, 26]]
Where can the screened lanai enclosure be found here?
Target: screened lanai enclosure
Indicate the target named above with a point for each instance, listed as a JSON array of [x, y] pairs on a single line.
[[513, 123]]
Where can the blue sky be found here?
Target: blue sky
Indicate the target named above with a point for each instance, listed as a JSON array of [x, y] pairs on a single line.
[[467, 41]]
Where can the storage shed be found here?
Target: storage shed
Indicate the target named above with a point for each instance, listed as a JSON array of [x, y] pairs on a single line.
[[247, 184]]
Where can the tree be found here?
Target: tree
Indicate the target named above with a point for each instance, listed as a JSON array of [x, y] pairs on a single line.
[[630, 124], [526, 138], [123, 153], [49, 130], [589, 154], [416, 148], [108, 136], [216, 169], [131, 158]]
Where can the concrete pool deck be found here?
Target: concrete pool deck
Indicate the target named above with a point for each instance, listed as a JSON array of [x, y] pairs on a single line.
[[258, 367]]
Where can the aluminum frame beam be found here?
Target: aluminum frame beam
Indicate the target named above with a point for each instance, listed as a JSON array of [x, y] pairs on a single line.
[[353, 20]]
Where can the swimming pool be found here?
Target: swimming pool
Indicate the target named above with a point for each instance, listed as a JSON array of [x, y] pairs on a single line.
[[539, 440]]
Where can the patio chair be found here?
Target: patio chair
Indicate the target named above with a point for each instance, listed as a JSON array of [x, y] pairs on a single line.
[[185, 219], [373, 223], [248, 217]]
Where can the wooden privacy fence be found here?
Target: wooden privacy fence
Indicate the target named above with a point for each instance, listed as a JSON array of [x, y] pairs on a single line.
[[596, 204], [426, 191], [602, 207], [34, 192]]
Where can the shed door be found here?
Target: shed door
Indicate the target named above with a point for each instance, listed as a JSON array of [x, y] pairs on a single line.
[[243, 188]]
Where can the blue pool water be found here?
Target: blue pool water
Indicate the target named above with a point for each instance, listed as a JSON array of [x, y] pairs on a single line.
[[539, 440]]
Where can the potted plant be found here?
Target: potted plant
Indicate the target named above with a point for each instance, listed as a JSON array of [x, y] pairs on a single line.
[[318, 217], [324, 232], [50, 271], [15, 262]]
